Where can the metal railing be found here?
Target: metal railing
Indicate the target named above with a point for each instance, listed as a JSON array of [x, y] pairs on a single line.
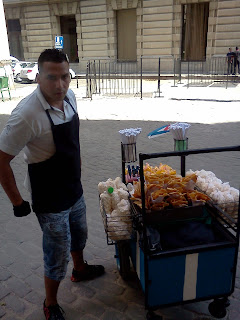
[[112, 77], [205, 73]]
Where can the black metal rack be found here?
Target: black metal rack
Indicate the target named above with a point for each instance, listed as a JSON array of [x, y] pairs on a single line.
[[161, 273], [224, 224]]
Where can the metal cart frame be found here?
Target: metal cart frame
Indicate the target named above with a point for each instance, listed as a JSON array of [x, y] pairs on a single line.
[[230, 227], [149, 266]]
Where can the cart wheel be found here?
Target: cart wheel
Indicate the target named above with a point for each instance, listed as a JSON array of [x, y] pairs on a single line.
[[152, 316], [124, 260], [217, 308]]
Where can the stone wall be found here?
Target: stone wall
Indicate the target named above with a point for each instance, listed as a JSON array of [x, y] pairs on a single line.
[[227, 27], [35, 28], [159, 25]]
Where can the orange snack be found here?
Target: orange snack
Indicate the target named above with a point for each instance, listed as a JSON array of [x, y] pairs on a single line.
[[159, 206]]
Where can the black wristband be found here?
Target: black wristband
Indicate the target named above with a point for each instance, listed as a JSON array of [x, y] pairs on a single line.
[[23, 210]]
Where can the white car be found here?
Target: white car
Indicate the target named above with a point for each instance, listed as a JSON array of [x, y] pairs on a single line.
[[13, 59], [17, 67], [29, 74]]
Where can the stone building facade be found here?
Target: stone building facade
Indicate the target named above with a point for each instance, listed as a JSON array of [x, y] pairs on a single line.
[[124, 29]]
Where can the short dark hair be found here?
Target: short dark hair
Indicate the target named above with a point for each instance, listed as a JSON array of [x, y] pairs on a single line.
[[236, 48], [51, 55]]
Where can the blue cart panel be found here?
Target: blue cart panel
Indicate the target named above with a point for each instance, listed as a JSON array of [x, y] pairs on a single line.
[[185, 277]]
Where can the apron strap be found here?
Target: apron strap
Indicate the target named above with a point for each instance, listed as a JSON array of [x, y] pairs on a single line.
[[50, 119], [47, 110], [67, 100]]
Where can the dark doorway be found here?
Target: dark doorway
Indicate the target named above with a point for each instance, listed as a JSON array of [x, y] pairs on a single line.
[[194, 31], [68, 31], [127, 35], [15, 38]]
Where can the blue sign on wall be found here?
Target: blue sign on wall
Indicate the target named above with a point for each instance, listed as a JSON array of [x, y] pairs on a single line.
[[59, 42]]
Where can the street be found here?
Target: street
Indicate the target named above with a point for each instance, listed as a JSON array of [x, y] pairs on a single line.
[[214, 115]]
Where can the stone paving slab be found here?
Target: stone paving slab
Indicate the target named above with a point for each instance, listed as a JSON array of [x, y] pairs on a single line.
[[109, 297]]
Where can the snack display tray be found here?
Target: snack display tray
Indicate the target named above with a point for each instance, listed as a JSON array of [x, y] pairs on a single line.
[[169, 215]]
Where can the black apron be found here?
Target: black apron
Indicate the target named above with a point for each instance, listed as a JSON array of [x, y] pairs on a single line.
[[56, 182]]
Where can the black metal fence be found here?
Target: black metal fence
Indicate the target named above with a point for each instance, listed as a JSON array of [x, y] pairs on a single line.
[[111, 77], [214, 70]]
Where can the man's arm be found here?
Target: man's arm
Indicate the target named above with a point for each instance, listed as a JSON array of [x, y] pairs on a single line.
[[7, 179]]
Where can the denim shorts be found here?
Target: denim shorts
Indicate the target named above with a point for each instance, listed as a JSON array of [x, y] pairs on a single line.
[[62, 232]]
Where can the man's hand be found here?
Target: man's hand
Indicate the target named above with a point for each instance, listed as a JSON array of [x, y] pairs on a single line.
[[22, 210]]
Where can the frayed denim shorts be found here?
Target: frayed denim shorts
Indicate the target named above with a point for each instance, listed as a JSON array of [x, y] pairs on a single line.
[[62, 232]]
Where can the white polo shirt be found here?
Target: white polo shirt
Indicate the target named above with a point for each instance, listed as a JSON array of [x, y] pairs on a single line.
[[29, 128]]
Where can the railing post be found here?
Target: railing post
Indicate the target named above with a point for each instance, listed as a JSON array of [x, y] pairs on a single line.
[[99, 76], [94, 76], [87, 87], [180, 71], [141, 78], [159, 71], [174, 71], [90, 81]]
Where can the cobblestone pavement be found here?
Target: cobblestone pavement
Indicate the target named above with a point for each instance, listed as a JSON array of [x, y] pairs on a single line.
[[109, 297]]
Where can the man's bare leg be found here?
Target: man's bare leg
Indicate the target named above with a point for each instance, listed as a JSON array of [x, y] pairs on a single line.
[[78, 262], [51, 287]]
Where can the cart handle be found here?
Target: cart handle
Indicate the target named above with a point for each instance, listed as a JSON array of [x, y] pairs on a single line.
[[145, 156]]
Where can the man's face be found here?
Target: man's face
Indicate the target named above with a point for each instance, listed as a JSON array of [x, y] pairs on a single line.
[[54, 80]]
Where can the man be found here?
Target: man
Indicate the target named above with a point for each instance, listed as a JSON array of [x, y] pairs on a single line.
[[46, 126], [230, 60], [236, 61]]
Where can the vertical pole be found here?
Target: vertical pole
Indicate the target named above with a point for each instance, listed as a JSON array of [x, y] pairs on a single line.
[[141, 79], [183, 166], [228, 67], [99, 75], [121, 78], [145, 239], [180, 70], [188, 75], [114, 77], [109, 73], [125, 78], [159, 70], [123, 164], [87, 81], [174, 70], [90, 82], [95, 76]]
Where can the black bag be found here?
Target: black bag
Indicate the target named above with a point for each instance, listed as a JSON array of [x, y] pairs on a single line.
[[187, 234]]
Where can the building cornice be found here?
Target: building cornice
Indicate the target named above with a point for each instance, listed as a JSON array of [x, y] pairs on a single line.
[[19, 2], [22, 2]]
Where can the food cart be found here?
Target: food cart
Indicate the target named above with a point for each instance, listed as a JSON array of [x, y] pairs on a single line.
[[184, 273]]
